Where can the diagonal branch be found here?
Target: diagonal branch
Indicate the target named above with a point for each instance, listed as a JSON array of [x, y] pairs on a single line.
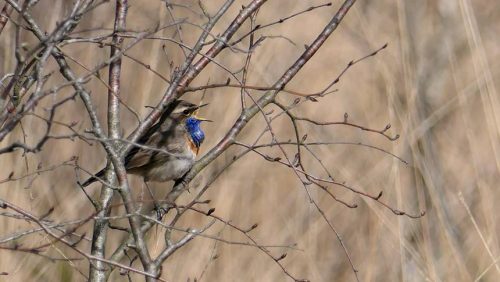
[[4, 16]]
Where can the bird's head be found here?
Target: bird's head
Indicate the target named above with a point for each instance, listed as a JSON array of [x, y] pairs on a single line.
[[184, 109]]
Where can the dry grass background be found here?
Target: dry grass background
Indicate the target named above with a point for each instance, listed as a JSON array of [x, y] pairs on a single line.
[[435, 83]]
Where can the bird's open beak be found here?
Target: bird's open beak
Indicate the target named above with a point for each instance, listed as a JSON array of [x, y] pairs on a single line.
[[196, 109], [196, 113], [203, 119], [202, 105]]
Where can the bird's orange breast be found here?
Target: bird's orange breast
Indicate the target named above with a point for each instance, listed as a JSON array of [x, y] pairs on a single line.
[[192, 146]]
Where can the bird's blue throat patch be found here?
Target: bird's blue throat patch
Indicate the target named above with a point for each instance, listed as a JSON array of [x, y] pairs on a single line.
[[194, 130]]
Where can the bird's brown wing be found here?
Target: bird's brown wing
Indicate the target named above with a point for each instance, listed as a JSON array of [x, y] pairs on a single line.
[[141, 156], [144, 156]]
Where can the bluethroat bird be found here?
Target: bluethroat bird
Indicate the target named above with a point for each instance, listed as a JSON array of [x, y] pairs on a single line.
[[175, 139]]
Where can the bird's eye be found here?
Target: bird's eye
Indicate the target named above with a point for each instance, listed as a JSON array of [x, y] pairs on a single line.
[[186, 112]]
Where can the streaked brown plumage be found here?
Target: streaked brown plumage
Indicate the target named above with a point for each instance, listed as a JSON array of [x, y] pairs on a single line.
[[173, 150]]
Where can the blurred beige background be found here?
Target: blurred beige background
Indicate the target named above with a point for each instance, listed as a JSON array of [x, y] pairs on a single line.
[[436, 84]]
